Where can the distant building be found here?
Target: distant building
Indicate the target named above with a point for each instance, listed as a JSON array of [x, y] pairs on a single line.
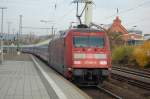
[[22, 39], [9, 36], [116, 27], [135, 31], [132, 37], [146, 36]]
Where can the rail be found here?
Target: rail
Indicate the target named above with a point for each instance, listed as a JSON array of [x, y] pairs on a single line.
[[132, 80], [109, 93], [132, 71]]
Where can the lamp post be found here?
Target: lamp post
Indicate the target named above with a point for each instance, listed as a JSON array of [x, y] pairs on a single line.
[[9, 27], [1, 39]]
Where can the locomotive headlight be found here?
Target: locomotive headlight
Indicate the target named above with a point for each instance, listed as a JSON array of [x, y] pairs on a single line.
[[100, 56], [69, 69], [79, 56], [103, 62], [110, 69], [77, 62]]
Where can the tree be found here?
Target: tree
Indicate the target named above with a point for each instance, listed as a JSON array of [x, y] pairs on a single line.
[[115, 39]]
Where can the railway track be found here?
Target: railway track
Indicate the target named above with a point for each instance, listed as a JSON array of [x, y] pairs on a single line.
[[132, 71], [132, 80], [109, 93], [147, 70], [97, 92]]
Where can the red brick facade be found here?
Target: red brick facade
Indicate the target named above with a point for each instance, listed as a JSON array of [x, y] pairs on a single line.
[[116, 27]]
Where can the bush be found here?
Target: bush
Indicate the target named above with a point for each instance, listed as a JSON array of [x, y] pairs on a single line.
[[137, 55], [122, 54], [142, 55]]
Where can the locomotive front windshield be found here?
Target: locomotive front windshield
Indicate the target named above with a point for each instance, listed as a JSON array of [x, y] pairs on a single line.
[[88, 41]]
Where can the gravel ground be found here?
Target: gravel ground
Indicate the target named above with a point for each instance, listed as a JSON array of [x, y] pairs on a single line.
[[126, 91], [121, 89], [122, 92], [96, 93]]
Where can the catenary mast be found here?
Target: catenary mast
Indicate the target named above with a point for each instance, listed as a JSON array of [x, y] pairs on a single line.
[[88, 12]]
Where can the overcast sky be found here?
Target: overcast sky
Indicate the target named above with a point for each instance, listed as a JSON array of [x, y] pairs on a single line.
[[131, 12]]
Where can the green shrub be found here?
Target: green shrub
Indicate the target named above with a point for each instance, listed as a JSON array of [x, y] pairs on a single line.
[[122, 54]]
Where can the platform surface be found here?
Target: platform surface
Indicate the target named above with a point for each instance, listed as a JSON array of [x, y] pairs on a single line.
[[20, 80], [26, 77]]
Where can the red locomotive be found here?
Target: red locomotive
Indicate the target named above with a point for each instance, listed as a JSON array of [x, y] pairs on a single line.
[[81, 55]]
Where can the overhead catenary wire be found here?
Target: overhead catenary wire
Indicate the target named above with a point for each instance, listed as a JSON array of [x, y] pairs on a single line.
[[57, 4], [70, 11], [56, 7], [60, 19], [130, 23], [135, 22], [129, 9], [20, 3], [120, 12], [30, 27]]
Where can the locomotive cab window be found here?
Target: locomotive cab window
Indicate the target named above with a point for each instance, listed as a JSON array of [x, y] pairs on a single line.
[[88, 41]]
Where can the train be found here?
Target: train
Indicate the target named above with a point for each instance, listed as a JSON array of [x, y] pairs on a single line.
[[82, 55]]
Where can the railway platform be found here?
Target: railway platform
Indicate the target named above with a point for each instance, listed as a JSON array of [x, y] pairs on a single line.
[[26, 77]]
